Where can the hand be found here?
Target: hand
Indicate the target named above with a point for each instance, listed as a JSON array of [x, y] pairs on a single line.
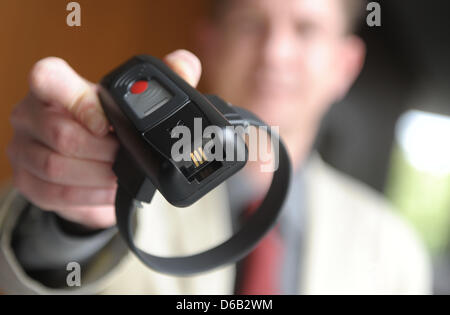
[[62, 150]]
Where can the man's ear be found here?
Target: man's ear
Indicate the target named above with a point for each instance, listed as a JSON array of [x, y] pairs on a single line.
[[352, 58]]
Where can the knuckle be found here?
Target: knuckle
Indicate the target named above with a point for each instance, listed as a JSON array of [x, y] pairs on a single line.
[[11, 152], [53, 166], [16, 115], [68, 195], [50, 195], [21, 183], [66, 139], [43, 196], [93, 218], [86, 215], [99, 217], [18, 181]]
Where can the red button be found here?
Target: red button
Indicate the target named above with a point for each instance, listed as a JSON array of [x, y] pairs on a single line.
[[139, 87]]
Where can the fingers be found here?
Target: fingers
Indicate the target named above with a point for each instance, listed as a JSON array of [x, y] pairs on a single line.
[[186, 65], [54, 82], [51, 196], [60, 132], [52, 167], [93, 207], [97, 217], [61, 153]]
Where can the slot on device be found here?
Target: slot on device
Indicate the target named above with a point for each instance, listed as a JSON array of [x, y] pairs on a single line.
[[201, 167]]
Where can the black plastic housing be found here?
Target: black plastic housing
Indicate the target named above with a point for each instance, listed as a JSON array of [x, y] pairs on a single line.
[[147, 140]]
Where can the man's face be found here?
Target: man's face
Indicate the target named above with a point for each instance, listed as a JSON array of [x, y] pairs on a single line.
[[285, 60]]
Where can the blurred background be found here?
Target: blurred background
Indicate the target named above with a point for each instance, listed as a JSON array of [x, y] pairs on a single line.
[[391, 132]]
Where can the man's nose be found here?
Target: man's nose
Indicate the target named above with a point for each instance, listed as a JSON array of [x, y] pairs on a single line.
[[279, 47]]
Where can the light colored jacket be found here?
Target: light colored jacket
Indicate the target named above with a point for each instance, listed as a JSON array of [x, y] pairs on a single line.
[[354, 244]]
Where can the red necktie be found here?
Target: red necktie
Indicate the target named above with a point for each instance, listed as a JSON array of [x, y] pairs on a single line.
[[261, 273]]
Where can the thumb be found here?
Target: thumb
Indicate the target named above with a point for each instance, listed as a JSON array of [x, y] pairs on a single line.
[[186, 65], [54, 82]]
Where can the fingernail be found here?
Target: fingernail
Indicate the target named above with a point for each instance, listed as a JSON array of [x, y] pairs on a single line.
[[182, 67]]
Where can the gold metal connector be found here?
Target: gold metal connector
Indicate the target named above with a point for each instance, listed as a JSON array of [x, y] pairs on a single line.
[[198, 157]]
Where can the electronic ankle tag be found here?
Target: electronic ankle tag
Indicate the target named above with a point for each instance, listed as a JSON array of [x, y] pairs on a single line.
[[144, 101]]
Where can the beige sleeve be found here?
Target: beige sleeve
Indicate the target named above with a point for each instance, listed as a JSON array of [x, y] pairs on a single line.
[[14, 280]]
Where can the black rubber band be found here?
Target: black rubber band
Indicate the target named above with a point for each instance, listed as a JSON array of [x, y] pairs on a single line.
[[232, 250]]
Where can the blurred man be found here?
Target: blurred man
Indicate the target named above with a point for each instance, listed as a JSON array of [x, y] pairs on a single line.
[[287, 61]]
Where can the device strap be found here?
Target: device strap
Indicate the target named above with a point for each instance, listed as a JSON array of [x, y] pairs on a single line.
[[140, 189]]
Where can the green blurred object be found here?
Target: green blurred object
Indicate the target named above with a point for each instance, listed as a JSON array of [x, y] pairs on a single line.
[[423, 198], [419, 179]]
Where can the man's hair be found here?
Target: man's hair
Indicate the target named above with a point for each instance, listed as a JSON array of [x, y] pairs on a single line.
[[353, 9]]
